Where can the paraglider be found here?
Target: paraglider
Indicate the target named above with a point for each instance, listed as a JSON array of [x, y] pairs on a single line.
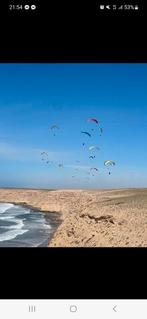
[[93, 147], [93, 120], [92, 157], [97, 122], [94, 168], [86, 133], [109, 163], [44, 153], [44, 156], [53, 127]]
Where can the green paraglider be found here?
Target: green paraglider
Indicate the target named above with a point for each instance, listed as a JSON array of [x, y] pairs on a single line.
[[109, 163]]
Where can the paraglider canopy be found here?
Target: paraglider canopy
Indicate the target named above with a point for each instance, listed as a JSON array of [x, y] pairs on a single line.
[[93, 147], [93, 120], [54, 126], [94, 168], [86, 133], [108, 162], [44, 153]]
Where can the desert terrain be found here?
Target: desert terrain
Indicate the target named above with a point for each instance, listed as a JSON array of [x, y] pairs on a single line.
[[90, 218]]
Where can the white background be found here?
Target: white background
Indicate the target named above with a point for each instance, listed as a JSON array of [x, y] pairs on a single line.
[[86, 309]]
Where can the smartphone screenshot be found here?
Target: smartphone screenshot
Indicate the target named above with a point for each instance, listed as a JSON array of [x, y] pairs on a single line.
[[73, 177]]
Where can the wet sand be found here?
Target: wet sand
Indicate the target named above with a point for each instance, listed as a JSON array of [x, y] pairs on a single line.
[[90, 218]]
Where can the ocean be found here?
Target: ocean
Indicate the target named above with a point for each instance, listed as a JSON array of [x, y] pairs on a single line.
[[23, 227]]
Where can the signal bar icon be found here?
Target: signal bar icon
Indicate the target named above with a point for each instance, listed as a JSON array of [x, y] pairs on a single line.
[[32, 308]]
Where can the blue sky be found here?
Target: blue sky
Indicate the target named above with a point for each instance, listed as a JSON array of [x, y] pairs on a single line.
[[33, 97]]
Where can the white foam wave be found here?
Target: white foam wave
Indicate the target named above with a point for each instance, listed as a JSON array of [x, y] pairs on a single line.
[[46, 226], [4, 207], [9, 235], [14, 223], [12, 231], [18, 224]]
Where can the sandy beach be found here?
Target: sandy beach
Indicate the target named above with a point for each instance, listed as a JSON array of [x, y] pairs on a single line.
[[90, 218]]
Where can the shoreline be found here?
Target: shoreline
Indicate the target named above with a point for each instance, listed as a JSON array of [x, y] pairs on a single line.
[[53, 219], [89, 218]]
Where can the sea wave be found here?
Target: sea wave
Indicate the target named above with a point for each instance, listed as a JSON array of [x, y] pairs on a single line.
[[16, 225], [9, 235], [4, 207], [16, 220]]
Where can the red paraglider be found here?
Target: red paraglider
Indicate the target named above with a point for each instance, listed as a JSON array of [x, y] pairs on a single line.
[[93, 120]]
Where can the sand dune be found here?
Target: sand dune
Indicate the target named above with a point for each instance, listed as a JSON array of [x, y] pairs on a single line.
[[90, 218]]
